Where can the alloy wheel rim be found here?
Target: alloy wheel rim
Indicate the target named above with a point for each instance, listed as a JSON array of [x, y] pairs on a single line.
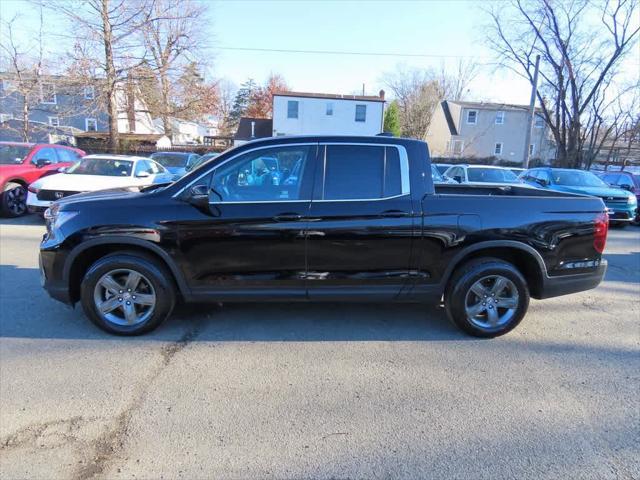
[[124, 297], [17, 200], [491, 302]]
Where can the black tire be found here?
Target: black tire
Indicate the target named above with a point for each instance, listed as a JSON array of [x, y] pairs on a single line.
[[151, 270], [13, 200], [459, 291]]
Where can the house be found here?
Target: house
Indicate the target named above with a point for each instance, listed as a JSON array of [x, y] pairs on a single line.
[[488, 131], [60, 104], [251, 129], [183, 132], [299, 113]]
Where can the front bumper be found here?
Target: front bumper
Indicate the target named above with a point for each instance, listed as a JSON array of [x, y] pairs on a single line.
[[50, 277], [565, 284], [627, 214]]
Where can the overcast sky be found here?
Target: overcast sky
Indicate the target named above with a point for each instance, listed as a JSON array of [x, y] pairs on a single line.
[[441, 30]]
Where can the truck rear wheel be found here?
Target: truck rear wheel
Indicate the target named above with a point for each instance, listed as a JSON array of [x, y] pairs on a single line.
[[487, 297]]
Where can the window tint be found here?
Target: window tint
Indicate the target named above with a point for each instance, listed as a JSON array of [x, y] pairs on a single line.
[[273, 174], [292, 109], [67, 156], [353, 172], [46, 154], [625, 180], [143, 166], [392, 173], [361, 113]]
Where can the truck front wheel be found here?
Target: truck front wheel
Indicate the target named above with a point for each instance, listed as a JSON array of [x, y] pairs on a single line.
[[487, 297]]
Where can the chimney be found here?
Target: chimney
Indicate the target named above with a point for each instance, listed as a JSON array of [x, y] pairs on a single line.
[[253, 129], [381, 94]]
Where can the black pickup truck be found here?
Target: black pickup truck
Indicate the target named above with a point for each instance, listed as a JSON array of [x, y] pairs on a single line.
[[321, 219]]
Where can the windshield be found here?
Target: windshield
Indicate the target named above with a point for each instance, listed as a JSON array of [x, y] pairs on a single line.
[[435, 174], [171, 160], [491, 175], [10, 154], [109, 167], [576, 178]]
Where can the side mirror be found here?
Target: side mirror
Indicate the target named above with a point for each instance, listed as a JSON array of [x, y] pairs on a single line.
[[542, 182], [143, 175], [629, 188], [458, 178], [17, 160], [198, 195], [41, 162]]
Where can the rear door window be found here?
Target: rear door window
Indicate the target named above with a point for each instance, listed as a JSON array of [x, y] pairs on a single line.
[[68, 156], [363, 172], [46, 154]]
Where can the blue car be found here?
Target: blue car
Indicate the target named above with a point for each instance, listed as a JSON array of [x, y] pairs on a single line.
[[621, 204], [177, 163]]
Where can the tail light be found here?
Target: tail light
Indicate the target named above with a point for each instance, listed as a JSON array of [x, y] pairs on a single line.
[[600, 232]]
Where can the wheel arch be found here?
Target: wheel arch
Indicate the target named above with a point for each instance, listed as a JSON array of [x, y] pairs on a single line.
[[18, 180], [524, 257], [86, 253]]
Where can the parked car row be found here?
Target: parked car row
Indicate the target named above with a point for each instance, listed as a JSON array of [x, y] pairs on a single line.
[[34, 175], [620, 191]]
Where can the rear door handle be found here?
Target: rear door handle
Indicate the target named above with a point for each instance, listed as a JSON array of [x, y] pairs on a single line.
[[394, 214], [287, 217]]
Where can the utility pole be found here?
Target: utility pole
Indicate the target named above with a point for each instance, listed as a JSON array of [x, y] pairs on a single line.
[[532, 113]]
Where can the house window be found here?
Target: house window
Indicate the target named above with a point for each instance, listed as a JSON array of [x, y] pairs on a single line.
[[497, 150], [90, 124], [532, 149], [457, 147], [329, 108], [48, 93], [54, 121], [539, 122], [292, 109], [89, 92], [499, 118], [4, 117], [361, 113], [472, 117]]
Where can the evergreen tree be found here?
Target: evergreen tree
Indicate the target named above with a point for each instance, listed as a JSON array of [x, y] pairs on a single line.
[[392, 119], [243, 99]]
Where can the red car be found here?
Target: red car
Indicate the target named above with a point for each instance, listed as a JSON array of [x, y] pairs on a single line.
[[24, 163]]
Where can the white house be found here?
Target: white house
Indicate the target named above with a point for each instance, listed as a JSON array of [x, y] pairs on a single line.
[[298, 113]]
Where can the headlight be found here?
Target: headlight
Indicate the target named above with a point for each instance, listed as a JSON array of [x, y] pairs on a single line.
[[33, 188], [55, 218], [632, 200]]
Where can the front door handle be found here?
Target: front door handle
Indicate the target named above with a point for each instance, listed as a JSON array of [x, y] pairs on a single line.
[[287, 217], [394, 214]]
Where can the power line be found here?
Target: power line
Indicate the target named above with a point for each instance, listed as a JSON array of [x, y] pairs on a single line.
[[339, 52]]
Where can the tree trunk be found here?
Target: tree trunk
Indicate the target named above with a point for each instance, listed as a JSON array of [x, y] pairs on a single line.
[[25, 119], [166, 121], [111, 78]]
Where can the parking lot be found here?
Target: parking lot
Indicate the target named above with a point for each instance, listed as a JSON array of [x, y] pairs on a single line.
[[319, 390]]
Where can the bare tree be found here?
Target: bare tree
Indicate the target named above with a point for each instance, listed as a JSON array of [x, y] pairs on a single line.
[[176, 41], [581, 58], [107, 45], [226, 97], [418, 93], [456, 83], [22, 67]]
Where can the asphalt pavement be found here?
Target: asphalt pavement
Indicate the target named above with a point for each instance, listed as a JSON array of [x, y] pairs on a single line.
[[319, 390]]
